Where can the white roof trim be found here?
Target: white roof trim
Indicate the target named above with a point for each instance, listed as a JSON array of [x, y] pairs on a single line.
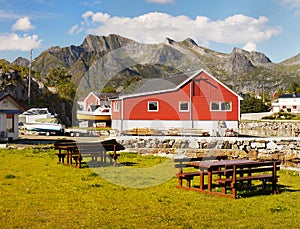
[[91, 93]]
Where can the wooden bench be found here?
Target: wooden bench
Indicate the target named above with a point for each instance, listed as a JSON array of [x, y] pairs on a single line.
[[265, 172], [96, 152], [181, 163]]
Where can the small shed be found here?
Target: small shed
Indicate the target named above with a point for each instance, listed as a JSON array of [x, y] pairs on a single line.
[[10, 109]]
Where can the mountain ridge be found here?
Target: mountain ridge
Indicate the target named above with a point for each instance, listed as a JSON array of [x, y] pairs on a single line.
[[242, 70]]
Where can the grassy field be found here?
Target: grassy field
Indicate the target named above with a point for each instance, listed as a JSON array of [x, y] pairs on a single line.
[[36, 192]]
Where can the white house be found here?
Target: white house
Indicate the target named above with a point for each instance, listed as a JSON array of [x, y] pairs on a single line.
[[288, 103], [9, 117]]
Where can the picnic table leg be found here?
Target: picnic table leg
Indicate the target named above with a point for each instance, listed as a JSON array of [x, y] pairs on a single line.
[[233, 183], [115, 155], [68, 156], [274, 178], [79, 160], [209, 183], [71, 157], [201, 180], [60, 157]]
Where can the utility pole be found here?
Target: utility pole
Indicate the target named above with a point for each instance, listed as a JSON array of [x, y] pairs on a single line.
[[29, 76]]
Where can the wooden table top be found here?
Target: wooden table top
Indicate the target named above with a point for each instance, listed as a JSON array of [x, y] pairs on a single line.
[[216, 163]]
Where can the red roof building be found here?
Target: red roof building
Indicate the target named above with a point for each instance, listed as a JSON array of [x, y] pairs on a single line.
[[196, 100]]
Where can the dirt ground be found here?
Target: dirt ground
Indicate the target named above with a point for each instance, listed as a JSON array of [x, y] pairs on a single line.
[[39, 140]]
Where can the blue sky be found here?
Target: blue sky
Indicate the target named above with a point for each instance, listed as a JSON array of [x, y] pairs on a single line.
[[268, 26]]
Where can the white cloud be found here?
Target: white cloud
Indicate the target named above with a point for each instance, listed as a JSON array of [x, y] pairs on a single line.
[[292, 3], [7, 15], [76, 29], [15, 42], [23, 24], [154, 27], [161, 1], [87, 14], [250, 46], [100, 17]]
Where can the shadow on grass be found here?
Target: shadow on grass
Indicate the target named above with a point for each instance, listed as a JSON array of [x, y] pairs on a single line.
[[98, 164], [244, 191], [128, 163]]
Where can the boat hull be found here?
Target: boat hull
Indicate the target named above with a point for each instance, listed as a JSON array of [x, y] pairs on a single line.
[[93, 117], [44, 127]]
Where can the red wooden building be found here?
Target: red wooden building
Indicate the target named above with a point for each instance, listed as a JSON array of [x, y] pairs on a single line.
[[196, 100]]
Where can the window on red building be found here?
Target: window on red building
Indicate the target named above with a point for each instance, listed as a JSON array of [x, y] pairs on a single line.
[[153, 106]]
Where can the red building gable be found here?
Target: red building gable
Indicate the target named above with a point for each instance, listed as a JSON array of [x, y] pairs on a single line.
[[200, 97]]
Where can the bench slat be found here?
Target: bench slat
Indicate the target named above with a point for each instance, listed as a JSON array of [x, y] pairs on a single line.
[[246, 178]]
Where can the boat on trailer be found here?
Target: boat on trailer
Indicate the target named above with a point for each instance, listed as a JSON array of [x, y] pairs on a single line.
[[45, 127], [100, 113], [41, 120]]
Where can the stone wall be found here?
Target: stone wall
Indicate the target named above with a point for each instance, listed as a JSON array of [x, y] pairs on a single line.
[[269, 128], [262, 149]]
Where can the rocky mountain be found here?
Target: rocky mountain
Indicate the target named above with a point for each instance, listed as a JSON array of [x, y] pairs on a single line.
[[293, 61], [114, 60], [20, 61]]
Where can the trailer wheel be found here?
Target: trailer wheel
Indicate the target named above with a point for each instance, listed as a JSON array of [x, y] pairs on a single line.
[[77, 134]]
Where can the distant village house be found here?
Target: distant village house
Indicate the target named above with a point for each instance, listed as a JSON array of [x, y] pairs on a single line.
[[9, 117], [94, 110], [287, 103]]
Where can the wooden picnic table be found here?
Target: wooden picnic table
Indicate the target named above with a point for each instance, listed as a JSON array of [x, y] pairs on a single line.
[[230, 172], [94, 150], [65, 150]]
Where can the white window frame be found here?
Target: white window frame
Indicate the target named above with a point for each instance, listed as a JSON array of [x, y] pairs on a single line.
[[157, 105], [188, 106], [116, 106], [220, 106]]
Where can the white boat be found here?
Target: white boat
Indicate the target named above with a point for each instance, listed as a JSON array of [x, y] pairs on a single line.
[[101, 113], [33, 114], [46, 127], [40, 120]]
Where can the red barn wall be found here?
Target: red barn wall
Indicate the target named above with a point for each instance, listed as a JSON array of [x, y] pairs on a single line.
[[208, 90], [137, 108], [204, 90]]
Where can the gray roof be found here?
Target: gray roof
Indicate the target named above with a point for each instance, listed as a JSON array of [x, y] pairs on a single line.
[[165, 84], [289, 96], [157, 84]]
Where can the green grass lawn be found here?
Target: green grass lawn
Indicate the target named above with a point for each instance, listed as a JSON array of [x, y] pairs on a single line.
[[36, 192]]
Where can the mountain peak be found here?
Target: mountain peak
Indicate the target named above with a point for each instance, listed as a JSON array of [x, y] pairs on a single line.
[[20, 61], [168, 41], [257, 58], [191, 41], [104, 43]]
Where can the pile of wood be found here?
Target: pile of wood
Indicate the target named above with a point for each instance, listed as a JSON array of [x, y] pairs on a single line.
[[142, 132]]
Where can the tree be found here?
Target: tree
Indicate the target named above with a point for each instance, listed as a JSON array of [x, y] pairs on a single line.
[[61, 80], [108, 89], [294, 87], [251, 104]]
